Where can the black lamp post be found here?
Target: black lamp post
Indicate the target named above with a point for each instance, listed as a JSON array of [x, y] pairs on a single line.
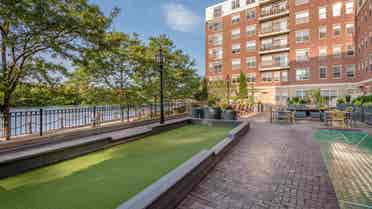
[[160, 59], [228, 89]]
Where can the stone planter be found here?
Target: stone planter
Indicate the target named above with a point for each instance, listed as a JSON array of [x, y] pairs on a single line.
[[197, 112], [213, 113], [229, 115]]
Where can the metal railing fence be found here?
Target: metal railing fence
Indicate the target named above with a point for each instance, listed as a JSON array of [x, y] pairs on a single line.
[[45, 120]]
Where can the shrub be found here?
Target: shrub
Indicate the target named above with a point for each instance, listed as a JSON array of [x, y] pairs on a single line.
[[341, 101]]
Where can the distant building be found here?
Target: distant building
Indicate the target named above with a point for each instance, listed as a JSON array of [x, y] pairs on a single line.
[[287, 47]]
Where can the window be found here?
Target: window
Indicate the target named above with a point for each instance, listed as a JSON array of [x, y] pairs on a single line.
[[323, 72], [215, 39], [215, 26], [266, 76], [235, 79], [251, 30], [337, 51], [217, 11], [350, 50], [350, 71], [235, 34], [349, 7], [280, 41], [280, 24], [277, 76], [281, 60], [216, 53], [250, 14], [235, 19], [235, 4], [322, 13], [284, 75], [336, 9], [266, 44], [251, 45], [302, 74], [299, 2], [302, 93], [235, 64], [336, 29], [336, 71], [302, 55], [251, 77], [302, 17], [266, 60], [323, 52], [350, 28], [302, 36], [251, 62], [322, 32], [235, 48], [215, 67]]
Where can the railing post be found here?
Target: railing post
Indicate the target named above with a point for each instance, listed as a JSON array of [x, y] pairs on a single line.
[[121, 113], [41, 122], [29, 119], [150, 110], [61, 120], [93, 122], [128, 111]]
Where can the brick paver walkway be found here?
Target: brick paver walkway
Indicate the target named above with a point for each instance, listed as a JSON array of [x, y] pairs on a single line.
[[274, 166]]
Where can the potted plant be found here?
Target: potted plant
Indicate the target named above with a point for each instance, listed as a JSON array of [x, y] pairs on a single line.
[[212, 111], [229, 113]]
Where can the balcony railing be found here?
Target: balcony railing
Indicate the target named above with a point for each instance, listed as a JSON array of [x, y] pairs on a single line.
[[279, 9], [273, 31], [274, 66], [274, 47]]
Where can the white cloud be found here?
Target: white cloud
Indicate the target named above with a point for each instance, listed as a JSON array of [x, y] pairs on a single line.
[[180, 18]]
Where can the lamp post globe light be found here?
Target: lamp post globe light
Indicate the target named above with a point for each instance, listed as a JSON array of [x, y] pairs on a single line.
[[160, 60]]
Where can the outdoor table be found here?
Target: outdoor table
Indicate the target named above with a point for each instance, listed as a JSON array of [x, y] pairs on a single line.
[[345, 120], [275, 115]]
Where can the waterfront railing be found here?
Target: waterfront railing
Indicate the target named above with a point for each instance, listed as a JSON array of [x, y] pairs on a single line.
[[41, 121]]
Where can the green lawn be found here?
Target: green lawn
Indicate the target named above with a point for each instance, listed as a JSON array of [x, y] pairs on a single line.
[[105, 179]]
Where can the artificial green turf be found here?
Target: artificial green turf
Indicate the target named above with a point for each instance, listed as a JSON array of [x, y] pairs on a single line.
[[105, 179], [349, 137]]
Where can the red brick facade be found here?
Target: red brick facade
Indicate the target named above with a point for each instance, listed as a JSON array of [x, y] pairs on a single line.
[[319, 40], [364, 43]]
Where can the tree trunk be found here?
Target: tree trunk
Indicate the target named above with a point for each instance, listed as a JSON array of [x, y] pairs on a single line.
[[5, 110]]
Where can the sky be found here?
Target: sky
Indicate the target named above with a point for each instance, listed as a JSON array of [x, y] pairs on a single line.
[[181, 20]]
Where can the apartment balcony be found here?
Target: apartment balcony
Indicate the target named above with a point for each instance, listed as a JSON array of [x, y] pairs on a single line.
[[265, 2], [269, 49], [273, 32], [273, 13], [274, 67]]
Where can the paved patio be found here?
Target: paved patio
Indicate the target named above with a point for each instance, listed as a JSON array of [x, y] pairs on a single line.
[[273, 167]]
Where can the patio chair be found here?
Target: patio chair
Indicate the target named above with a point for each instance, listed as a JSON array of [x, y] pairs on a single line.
[[299, 115], [285, 116], [327, 118], [339, 117], [315, 115]]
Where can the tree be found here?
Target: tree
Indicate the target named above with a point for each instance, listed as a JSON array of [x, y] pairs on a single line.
[[243, 91], [204, 90], [180, 77], [34, 32], [114, 64]]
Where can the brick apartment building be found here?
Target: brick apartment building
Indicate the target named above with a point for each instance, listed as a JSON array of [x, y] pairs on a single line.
[[287, 47]]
